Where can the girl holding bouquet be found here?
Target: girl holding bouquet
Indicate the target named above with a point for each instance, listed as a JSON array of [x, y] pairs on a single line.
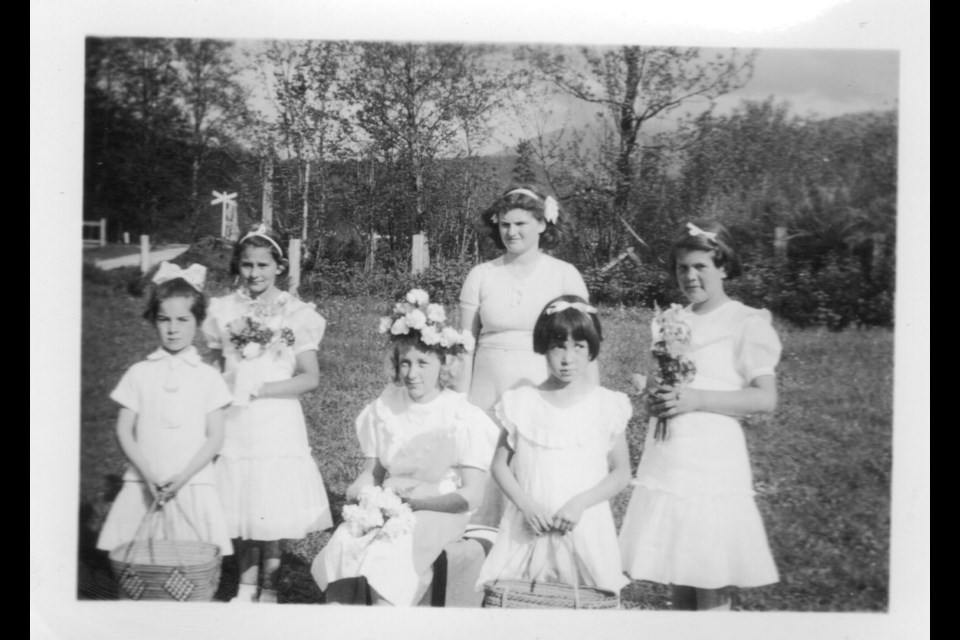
[[562, 455], [426, 447], [266, 342], [692, 521]]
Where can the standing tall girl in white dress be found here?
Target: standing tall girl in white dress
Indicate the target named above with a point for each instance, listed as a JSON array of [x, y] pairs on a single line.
[[501, 300], [266, 341], [562, 455], [692, 521], [425, 442], [170, 424]]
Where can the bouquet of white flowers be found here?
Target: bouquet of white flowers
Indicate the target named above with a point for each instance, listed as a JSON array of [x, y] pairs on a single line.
[[378, 509], [672, 338]]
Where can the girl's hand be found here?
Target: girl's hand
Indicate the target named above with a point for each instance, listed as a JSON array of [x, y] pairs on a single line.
[[172, 485], [567, 517], [537, 518], [668, 402]]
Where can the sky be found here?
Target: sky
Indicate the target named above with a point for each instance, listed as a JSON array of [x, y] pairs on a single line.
[[58, 28]]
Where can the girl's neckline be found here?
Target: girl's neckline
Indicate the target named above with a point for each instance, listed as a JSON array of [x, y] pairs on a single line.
[[261, 299], [413, 403], [545, 396], [715, 309], [530, 266]]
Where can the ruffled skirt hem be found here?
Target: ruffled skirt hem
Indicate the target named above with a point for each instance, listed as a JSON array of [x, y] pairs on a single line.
[[272, 498]]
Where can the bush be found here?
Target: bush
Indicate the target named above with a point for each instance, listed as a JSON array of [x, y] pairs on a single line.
[[630, 284]]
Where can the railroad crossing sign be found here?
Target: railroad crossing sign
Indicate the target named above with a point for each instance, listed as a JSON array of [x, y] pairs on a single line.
[[229, 225]]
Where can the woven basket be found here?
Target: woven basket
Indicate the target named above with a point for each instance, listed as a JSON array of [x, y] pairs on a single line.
[[151, 569], [534, 594]]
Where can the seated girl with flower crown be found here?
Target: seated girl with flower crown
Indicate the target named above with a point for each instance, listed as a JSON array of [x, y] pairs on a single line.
[[427, 452]]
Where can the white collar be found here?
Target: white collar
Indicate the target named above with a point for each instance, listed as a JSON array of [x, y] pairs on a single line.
[[188, 355]]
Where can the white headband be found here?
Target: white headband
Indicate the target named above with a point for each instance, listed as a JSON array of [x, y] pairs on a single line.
[[195, 274], [694, 230], [563, 305], [551, 211], [261, 232]]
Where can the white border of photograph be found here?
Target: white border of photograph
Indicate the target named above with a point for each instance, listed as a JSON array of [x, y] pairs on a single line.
[[58, 29]]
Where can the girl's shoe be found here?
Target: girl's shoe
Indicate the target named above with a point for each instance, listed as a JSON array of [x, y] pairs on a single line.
[[268, 595]]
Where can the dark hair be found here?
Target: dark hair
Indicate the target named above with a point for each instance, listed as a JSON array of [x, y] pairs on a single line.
[[402, 343], [722, 247], [260, 241], [176, 288], [555, 327], [508, 201]]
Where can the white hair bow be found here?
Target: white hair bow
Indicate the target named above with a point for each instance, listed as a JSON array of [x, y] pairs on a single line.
[[562, 305], [195, 274], [694, 230], [551, 210]]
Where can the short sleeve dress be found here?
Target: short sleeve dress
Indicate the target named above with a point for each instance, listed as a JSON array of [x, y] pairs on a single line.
[[508, 310], [423, 447], [692, 519], [559, 453], [172, 396], [269, 482]]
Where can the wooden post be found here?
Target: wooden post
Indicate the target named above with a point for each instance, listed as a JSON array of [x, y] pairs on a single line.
[[293, 253], [876, 256], [420, 254], [267, 210], [371, 253], [780, 246], [144, 253], [126, 237], [103, 232]]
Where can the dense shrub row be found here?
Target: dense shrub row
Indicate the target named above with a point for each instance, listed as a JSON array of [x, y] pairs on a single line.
[[836, 294]]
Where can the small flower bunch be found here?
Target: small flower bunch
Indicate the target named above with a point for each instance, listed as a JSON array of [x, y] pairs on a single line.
[[672, 339], [261, 328], [417, 314], [379, 508]]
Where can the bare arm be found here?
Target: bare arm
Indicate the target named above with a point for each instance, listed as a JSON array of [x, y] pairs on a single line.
[[759, 397], [469, 321], [567, 517], [126, 425], [210, 447], [371, 475], [305, 379], [464, 499], [535, 515]]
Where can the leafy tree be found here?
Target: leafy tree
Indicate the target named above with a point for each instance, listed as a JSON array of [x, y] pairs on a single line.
[[634, 85]]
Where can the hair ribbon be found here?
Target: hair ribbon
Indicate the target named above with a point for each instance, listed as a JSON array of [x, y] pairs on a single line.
[[195, 274], [563, 305], [551, 210], [261, 232], [694, 230]]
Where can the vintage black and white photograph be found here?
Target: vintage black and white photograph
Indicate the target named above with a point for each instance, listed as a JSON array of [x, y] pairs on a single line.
[[436, 325]]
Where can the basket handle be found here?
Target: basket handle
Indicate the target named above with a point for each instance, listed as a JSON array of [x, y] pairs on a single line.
[[528, 560], [156, 507]]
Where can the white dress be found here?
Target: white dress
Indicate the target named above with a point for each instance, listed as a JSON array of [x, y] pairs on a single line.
[[509, 308], [172, 396], [692, 519], [423, 447], [559, 453], [269, 482]]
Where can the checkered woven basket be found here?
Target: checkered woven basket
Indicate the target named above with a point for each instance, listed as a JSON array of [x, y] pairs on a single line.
[[156, 569]]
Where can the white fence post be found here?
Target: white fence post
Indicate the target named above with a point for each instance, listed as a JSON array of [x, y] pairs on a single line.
[[294, 257], [103, 232], [420, 257], [144, 253]]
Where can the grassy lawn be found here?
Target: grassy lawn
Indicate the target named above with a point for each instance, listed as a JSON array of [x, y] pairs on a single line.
[[821, 463]]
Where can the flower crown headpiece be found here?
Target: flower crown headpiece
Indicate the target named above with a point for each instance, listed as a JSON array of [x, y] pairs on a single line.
[[261, 232], [417, 314], [551, 210], [195, 274]]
